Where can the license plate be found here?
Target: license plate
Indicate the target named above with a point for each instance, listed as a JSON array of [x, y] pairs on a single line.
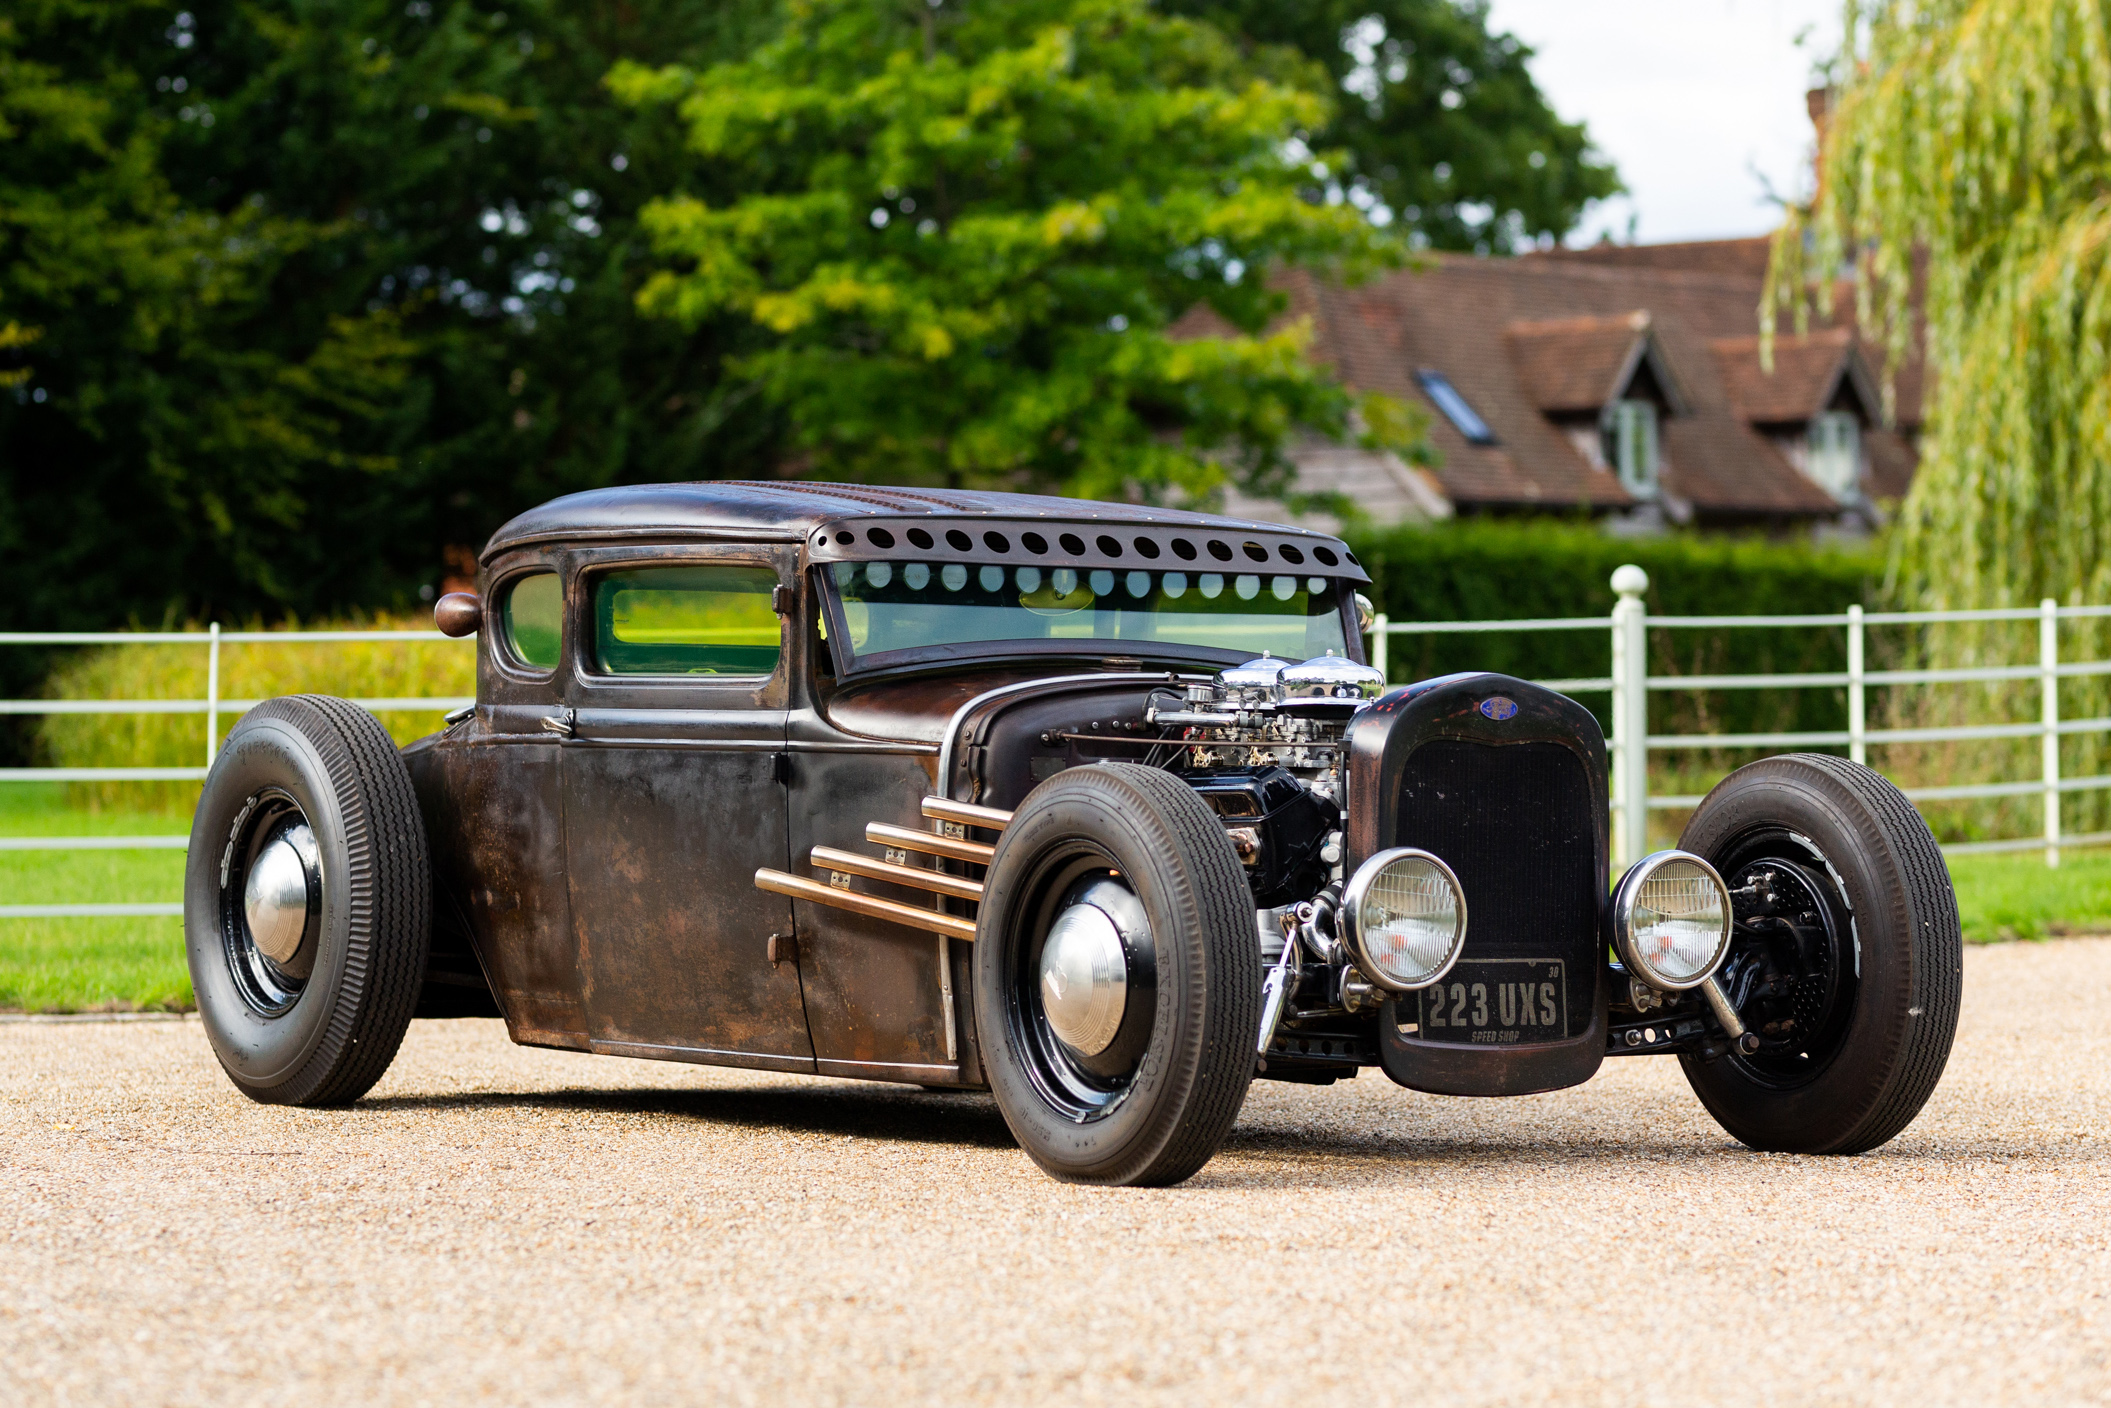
[[1497, 1002]]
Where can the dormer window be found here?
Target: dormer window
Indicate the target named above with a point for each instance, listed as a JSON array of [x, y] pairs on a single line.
[[1836, 453], [1631, 445], [1446, 398]]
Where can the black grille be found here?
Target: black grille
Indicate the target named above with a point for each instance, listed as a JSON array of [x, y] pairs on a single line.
[[1515, 822]]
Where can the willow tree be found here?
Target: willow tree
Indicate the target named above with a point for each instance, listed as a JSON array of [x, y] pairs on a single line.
[[1965, 177], [1965, 181]]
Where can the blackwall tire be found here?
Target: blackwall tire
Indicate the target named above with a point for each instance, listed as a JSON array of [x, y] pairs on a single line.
[[325, 1036], [1864, 850], [1194, 1027]]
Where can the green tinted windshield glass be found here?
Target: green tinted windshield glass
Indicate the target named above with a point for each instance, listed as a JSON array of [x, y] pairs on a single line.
[[889, 606], [534, 615], [704, 620]]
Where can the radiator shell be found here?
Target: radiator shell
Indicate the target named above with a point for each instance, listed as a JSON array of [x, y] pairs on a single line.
[[1513, 796]]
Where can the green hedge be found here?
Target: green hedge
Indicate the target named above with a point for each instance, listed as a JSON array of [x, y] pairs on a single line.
[[1482, 569]]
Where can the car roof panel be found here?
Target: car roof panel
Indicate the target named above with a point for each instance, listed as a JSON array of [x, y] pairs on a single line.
[[832, 521]]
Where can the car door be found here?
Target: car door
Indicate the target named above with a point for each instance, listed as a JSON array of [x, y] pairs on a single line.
[[673, 798], [496, 819]]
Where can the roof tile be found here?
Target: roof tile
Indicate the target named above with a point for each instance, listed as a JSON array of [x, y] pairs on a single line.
[[1806, 374], [1577, 364], [1520, 337]]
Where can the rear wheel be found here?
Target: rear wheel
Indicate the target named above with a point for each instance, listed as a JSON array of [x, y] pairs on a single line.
[[1847, 960], [307, 902], [1117, 977]]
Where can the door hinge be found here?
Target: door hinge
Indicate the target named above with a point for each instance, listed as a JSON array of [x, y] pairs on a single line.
[[784, 948], [562, 723], [781, 768], [781, 599]]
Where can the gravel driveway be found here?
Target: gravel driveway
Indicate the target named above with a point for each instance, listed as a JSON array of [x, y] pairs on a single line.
[[529, 1226]]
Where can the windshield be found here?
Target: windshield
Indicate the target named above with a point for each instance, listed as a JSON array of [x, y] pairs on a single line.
[[897, 606]]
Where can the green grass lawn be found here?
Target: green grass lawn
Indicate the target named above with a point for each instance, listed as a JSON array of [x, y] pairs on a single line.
[[79, 965], [82, 965], [2019, 897]]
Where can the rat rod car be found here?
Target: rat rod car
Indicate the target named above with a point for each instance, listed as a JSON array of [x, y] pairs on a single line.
[[1092, 806]]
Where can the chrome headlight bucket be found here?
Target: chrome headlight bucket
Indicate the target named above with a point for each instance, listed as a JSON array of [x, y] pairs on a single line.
[[1404, 919], [1671, 920]]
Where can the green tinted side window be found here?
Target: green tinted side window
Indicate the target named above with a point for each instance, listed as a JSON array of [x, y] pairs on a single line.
[[704, 620], [534, 614]]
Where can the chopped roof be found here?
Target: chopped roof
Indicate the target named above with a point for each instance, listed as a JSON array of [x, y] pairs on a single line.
[[791, 511]]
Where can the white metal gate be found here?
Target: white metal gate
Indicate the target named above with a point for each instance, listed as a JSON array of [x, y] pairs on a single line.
[[1631, 684], [213, 707]]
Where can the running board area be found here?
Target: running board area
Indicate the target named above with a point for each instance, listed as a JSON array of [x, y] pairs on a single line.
[[841, 866]]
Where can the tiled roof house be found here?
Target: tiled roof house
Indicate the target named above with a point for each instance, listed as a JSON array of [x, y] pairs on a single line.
[[1624, 382]]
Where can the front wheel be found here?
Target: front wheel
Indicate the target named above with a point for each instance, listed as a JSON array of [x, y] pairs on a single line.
[[1847, 960], [307, 902], [1117, 977]]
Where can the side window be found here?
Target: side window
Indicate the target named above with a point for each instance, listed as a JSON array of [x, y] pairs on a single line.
[[533, 612], [706, 619]]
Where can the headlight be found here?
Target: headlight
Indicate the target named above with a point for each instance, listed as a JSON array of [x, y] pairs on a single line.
[[1671, 919], [1404, 919]]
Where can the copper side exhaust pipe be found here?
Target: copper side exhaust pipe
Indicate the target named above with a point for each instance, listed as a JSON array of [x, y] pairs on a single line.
[[851, 863], [901, 838], [967, 814], [930, 921]]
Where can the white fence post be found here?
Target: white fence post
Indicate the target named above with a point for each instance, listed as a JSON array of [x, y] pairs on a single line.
[[1631, 711], [1614, 743], [1857, 704], [212, 693], [1381, 657], [2049, 684]]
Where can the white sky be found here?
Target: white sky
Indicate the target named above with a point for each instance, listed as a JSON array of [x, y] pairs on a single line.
[[1687, 97]]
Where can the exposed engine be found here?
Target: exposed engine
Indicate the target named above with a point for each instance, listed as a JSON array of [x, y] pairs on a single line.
[[1263, 745]]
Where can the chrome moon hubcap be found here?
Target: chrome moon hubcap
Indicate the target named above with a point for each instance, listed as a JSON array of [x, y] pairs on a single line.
[[276, 901], [1084, 978], [280, 896]]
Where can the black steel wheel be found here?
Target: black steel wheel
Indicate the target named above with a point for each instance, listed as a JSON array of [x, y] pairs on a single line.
[[307, 902], [1846, 960], [1117, 977]]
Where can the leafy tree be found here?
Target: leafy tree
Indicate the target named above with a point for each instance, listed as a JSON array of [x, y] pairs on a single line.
[[1963, 178], [319, 287], [148, 392], [1440, 125], [967, 228], [488, 189]]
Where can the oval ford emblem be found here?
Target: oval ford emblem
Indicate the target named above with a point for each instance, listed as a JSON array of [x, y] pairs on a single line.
[[1496, 707]]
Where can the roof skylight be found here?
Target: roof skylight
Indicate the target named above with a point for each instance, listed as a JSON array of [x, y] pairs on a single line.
[[1463, 417]]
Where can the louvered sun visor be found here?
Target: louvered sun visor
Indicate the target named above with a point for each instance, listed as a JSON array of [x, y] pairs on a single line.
[[1229, 547]]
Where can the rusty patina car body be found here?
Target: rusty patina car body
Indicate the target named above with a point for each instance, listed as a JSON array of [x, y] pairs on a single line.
[[1095, 806], [594, 838]]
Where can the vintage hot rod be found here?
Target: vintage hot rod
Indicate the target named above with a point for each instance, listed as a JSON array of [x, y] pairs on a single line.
[[1094, 806]]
